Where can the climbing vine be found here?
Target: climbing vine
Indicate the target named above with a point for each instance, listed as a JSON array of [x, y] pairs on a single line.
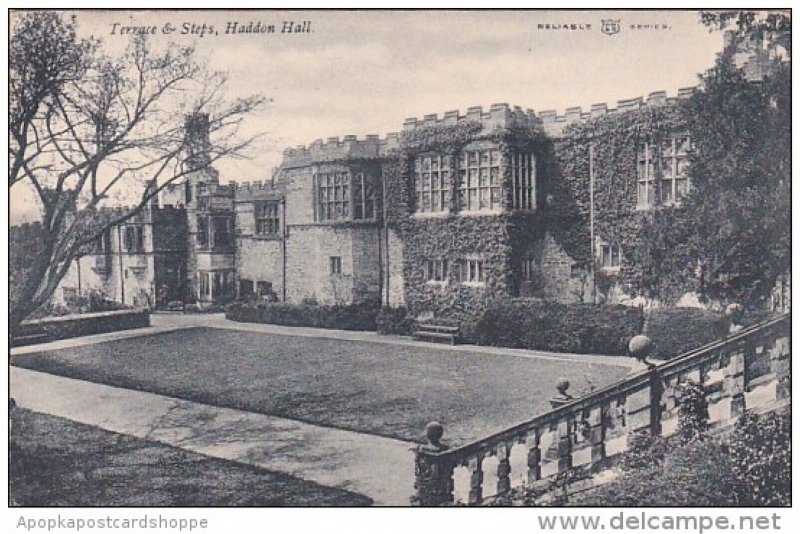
[[450, 236], [612, 142]]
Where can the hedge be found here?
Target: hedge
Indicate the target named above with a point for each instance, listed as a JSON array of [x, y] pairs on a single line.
[[394, 321], [552, 326], [675, 331], [516, 323], [76, 325], [359, 316]]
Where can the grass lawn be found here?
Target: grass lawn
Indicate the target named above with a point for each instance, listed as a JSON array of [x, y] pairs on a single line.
[[389, 390], [57, 462]]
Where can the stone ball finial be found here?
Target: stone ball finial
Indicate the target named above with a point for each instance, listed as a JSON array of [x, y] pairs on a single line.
[[562, 385], [434, 432], [640, 347], [733, 311]]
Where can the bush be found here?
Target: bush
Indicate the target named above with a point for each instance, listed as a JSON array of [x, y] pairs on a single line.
[[394, 321], [750, 467], [761, 452], [360, 316], [675, 331], [552, 326], [695, 474]]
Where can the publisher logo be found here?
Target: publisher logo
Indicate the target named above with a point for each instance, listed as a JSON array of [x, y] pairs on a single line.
[[609, 26]]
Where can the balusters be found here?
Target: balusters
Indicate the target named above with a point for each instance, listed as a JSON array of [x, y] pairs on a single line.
[[735, 380], [534, 456], [503, 468], [475, 468], [780, 364], [599, 423], [565, 431], [597, 434]]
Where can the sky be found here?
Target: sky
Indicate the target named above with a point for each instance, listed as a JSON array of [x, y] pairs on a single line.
[[364, 72]]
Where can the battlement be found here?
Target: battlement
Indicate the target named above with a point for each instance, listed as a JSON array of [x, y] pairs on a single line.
[[333, 149], [554, 124], [214, 189], [498, 116], [27, 231], [258, 190]]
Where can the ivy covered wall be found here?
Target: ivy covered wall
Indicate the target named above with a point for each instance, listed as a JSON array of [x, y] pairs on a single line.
[[614, 140], [501, 240]]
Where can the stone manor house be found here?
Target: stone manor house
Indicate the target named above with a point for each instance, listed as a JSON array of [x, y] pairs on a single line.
[[415, 223]]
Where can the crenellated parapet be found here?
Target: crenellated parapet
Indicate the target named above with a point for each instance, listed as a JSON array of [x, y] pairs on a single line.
[[256, 191], [335, 149], [24, 233], [554, 124], [498, 116]]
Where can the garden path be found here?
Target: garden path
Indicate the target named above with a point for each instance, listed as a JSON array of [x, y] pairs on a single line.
[[378, 467]]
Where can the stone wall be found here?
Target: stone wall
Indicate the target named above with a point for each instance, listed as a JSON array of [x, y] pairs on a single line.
[[259, 260], [396, 290], [309, 250], [69, 326], [564, 280]]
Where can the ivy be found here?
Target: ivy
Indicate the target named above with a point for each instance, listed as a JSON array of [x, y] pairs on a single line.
[[496, 238], [612, 142]]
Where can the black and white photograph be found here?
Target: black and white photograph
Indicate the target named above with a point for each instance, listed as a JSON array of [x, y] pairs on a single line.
[[404, 258]]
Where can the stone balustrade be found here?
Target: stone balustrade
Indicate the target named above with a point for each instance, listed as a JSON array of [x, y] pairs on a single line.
[[749, 369]]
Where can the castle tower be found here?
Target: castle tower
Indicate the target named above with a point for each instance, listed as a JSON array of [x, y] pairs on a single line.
[[196, 127]]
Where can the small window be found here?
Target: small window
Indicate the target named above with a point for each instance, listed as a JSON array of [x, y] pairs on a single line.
[[472, 272], [246, 289], [610, 255], [336, 264], [264, 288], [436, 270], [528, 269], [267, 220], [105, 242], [134, 238]]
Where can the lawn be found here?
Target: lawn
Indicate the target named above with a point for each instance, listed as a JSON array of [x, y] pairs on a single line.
[[56, 462], [389, 390]]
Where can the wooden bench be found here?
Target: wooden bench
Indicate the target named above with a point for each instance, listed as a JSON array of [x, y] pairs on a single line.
[[436, 332]]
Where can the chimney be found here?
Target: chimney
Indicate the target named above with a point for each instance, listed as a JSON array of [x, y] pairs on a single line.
[[151, 186], [196, 126]]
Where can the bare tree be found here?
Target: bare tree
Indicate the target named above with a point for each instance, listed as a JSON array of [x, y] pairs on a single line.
[[87, 129]]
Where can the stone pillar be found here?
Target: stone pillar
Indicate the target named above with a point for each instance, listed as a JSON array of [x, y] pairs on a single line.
[[475, 468], [780, 364], [597, 435], [534, 457], [433, 482], [565, 444], [503, 469], [734, 383], [562, 398]]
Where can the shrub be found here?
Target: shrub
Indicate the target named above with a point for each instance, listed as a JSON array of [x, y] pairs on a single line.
[[360, 316], [750, 467], [394, 321], [692, 411], [675, 331], [552, 326], [760, 449], [695, 474]]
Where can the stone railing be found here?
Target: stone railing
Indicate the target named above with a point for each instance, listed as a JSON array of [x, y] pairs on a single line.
[[749, 369]]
